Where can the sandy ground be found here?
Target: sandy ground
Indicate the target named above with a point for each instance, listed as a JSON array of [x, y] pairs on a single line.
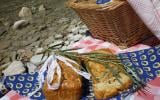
[[41, 27]]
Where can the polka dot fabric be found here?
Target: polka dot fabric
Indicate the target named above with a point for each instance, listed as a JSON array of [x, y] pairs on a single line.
[[146, 62], [24, 84]]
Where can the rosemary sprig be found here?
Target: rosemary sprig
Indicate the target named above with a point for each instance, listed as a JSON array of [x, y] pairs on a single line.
[[105, 60]]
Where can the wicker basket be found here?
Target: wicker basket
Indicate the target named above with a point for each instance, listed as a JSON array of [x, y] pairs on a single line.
[[114, 22]]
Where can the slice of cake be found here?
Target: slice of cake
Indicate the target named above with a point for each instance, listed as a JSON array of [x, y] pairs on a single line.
[[105, 84]]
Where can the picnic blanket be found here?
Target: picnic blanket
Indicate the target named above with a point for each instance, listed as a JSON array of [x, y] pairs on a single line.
[[144, 58]]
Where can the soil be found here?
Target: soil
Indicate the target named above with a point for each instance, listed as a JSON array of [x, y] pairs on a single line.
[[41, 27]]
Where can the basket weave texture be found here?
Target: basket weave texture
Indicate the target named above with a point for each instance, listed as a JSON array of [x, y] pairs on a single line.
[[114, 22]]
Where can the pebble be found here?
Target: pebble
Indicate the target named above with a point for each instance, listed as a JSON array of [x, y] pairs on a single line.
[[31, 67], [48, 40], [64, 48], [83, 29], [69, 36], [19, 24], [62, 20], [75, 29], [42, 27], [5, 65], [42, 8], [37, 59], [77, 37], [25, 13], [39, 50], [56, 43], [66, 42], [58, 36], [16, 67], [24, 55], [35, 44]]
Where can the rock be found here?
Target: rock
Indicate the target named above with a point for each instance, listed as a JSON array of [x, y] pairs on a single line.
[[19, 24], [83, 29], [75, 29], [42, 27], [64, 48], [77, 37], [39, 50], [70, 36], [49, 40], [74, 22], [37, 59], [24, 55], [35, 44], [31, 67], [42, 8], [58, 36], [4, 44], [66, 42], [25, 13], [28, 42], [62, 20], [24, 43], [69, 29], [16, 67], [79, 22], [7, 59], [33, 9], [5, 65], [71, 43], [62, 28], [56, 43]]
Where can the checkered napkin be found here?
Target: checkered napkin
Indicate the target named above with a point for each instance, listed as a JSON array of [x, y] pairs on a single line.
[[149, 12], [89, 44]]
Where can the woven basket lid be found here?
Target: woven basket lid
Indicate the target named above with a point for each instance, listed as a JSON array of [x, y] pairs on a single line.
[[91, 4]]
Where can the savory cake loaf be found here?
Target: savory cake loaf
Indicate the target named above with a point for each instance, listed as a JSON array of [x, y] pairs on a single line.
[[105, 84], [70, 88]]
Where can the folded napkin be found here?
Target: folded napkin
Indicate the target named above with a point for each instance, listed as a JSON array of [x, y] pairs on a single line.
[[89, 44], [149, 12]]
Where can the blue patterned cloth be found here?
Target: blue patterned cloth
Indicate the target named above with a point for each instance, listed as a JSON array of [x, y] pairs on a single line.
[[102, 1], [146, 62], [24, 84]]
